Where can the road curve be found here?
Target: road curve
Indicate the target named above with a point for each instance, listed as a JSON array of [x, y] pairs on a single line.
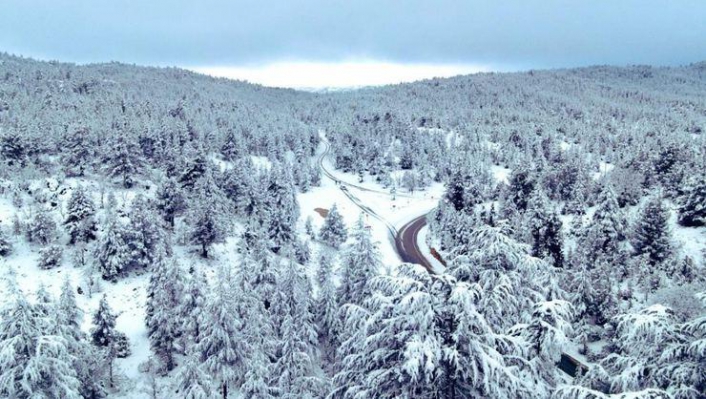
[[407, 246], [405, 239]]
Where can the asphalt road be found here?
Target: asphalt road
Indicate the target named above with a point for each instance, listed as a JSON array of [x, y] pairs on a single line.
[[406, 243], [405, 239]]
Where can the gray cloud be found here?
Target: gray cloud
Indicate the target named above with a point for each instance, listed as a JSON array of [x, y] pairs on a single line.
[[516, 34]]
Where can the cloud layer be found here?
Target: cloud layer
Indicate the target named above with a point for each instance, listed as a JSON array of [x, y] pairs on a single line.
[[511, 34]]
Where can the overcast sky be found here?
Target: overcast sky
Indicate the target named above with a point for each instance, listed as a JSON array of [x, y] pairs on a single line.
[[314, 43]]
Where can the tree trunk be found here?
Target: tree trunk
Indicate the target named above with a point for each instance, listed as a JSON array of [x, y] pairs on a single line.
[[225, 390]]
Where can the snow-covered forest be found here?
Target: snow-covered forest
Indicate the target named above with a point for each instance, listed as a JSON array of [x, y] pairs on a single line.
[[164, 234]]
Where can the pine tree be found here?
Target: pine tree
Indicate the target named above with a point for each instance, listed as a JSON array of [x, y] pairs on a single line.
[[5, 245], [326, 309], [113, 252], [692, 206], [103, 332], [294, 324], [522, 183], [80, 222], [207, 227], [34, 361], [145, 233], [165, 291], [124, 160], [545, 229], [195, 168], [333, 232], [42, 229], [86, 361], [283, 208], [652, 235], [76, 154], [233, 147], [221, 347], [191, 309], [50, 257], [606, 230], [191, 382], [13, 148], [170, 200], [359, 263]]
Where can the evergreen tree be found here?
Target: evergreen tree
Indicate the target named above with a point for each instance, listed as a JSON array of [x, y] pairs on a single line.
[[103, 332], [124, 160], [233, 147], [170, 200], [326, 309], [77, 152], [359, 263], [333, 232], [191, 382], [80, 222], [191, 309], [113, 252], [5, 245], [283, 208], [208, 225], [607, 228], [294, 367], [522, 183], [145, 233], [692, 206], [545, 229], [50, 257], [221, 348], [652, 236], [13, 148], [42, 229], [165, 291], [195, 168], [34, 361]]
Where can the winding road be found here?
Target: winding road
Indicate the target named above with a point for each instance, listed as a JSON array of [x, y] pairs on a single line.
[[404, 239], [407, 247]]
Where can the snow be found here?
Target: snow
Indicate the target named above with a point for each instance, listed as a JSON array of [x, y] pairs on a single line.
[[424, 246]]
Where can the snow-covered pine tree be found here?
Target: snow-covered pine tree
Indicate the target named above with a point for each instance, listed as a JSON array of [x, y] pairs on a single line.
[[326, 309], [359, 263], [34, 361], [692, 204], [77, 152], [545, 228], [50, 257], [294, 325], [124, 160], [652, 236], [165, 291], [194, 169], [5, 244], [233, 147], [191, 381], [191, 309], [283, 208], [208, 224], [333, 232], [113, 252], [145, 233], [80, 222], [103, 331], [86, 360], [170, 200], [42, 228], [221, 347], [607, 229]]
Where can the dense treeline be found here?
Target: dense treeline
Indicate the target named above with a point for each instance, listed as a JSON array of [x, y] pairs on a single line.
[[563, 192]]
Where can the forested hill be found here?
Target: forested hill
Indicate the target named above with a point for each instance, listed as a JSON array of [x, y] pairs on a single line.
[[239, 236]]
